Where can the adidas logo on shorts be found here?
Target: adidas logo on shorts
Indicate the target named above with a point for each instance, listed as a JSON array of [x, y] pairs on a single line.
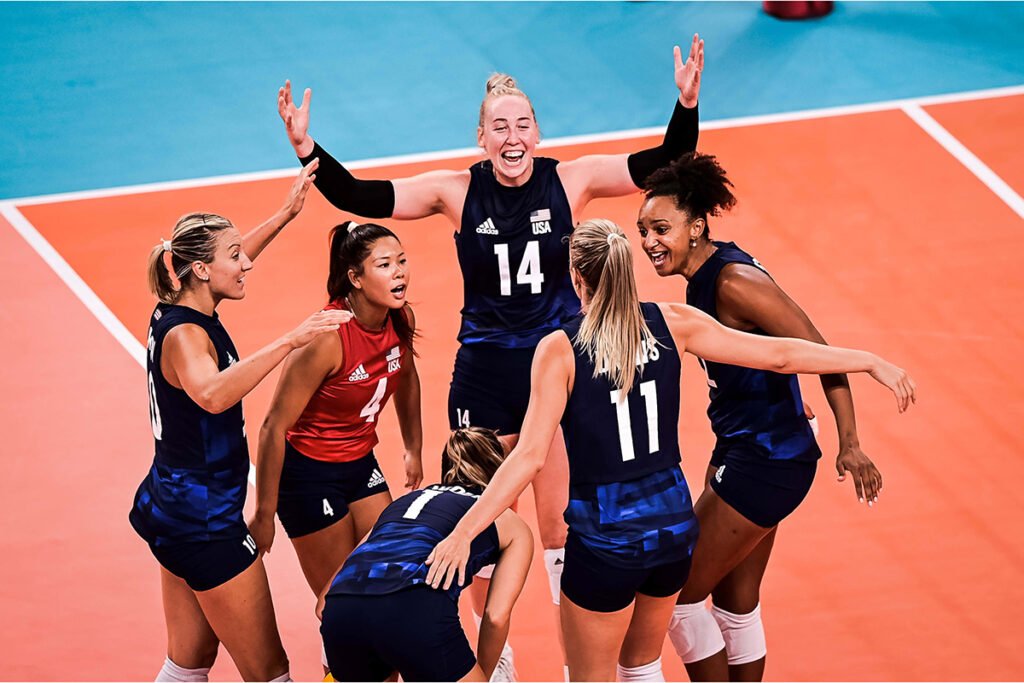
[[376, 479], [718, 474], [359, 374], [487, 228]]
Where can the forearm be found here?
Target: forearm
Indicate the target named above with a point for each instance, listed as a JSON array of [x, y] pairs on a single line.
[[840, 401], [511, 479], [269, 462], [410, 420], [257, 239], [797, 356], [680, 137], [368, 198], [490, 644], [228, 387]]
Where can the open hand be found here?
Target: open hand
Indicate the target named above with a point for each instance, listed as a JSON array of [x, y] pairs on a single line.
[[296, 119], [688, 74]]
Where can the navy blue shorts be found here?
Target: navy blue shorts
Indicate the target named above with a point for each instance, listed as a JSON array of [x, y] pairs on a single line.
[[763, 490], [315, 494], [490, 388], [415, 632], [207, 564], [595, 585]]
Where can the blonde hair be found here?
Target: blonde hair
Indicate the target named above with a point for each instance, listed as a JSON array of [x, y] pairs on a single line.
[[499, 85], [613, 332], [471, 457], [194, 239]]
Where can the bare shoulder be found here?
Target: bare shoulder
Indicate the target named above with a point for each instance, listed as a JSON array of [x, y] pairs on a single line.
[[739, 280], [187, 337]]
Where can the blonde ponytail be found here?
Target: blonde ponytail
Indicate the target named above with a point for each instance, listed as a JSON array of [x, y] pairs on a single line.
[[472, 456], [170, 263], [613, 332]]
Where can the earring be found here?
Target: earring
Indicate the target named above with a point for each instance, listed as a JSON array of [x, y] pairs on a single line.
[[693, 243]]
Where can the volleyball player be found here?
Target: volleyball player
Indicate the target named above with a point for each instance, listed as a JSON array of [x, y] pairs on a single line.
[[316, 468], [379, 616], [511, 213], [612, 376], [765, 457], [189, 506]]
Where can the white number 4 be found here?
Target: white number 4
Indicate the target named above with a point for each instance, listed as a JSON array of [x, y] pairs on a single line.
[[371, 409], [529, 272]]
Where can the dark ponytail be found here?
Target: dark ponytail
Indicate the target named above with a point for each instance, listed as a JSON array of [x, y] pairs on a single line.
[[697, 184], [351, 243]]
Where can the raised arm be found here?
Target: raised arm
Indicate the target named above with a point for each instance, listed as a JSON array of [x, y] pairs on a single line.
[[303, 372], [405, 199], [613, 175], [703, 336], [551, 379], [751, 298], [507, 582], [407, 407], [257, 239], [189, 362]]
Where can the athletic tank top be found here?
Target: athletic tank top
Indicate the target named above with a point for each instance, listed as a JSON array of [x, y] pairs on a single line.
[[196, 486], [755, 407], [514, 260], [339, 424], [610, 440], [393, 556]]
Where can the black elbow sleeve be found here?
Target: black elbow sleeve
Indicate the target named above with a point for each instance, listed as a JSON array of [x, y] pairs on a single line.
[[367, 198]]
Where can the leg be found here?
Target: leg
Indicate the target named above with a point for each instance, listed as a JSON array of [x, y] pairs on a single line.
[[241, 613], [365, 513], [322, 552], [592, 640], [735, 599], [191, 643], [641, 648]]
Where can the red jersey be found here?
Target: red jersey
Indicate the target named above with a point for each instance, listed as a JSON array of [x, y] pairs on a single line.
[[339, 424]]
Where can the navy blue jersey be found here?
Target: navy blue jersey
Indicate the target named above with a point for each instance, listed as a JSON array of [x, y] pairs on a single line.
[[393, 556], [196, 487], [514, 260], [610, 440], [756, 407]]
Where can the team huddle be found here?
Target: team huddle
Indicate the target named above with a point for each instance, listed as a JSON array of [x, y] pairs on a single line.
[[563, 379]]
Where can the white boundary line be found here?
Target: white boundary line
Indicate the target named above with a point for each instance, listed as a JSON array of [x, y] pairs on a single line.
[[81, 290], [966, 157], [739, 122]]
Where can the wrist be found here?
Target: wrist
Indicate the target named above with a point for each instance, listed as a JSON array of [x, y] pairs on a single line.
[[687, 103], [305, 147]]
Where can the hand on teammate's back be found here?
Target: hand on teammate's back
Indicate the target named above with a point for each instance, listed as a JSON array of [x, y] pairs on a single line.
[[317, 324]]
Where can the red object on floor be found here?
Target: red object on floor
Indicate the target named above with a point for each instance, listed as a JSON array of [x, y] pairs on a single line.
[[797, 10]]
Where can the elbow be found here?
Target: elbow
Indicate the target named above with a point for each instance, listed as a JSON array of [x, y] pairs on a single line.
[[209, 401], [497, 618]]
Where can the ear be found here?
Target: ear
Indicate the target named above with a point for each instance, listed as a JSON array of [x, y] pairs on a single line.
[[480, 137], [200, 270], [697, 228], [354, 278]]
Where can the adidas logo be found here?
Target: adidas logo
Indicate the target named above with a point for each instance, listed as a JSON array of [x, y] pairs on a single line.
[[359, 374], [719, 473], [231, 359], [376, 479], [487, 228]]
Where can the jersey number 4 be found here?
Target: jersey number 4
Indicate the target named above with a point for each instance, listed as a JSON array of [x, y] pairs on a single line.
[[650, 393], [371, 409], [529, 272]]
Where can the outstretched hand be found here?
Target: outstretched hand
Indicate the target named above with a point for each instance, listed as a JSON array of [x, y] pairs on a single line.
[[300, 186], [688, 74], [296, 119]]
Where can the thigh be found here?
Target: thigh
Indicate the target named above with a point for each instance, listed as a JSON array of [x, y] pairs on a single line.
[[739, 591], [647, 629], [726, 537], [592, 640], [191, 642], [322, 553], [366, 511], [241, 613]]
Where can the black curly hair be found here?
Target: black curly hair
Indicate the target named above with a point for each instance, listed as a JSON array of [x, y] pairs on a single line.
[[697, 184]]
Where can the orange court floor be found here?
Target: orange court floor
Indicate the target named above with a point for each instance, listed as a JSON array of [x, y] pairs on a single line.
[[888, 242]]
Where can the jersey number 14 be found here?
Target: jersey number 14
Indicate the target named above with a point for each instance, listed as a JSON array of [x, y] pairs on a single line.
[[529, 272]]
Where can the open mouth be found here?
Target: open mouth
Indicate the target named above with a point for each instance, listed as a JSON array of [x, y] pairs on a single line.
[[658, 258], [513, 157], [399, 291]]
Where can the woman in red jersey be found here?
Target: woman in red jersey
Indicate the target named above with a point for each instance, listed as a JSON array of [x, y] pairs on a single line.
[[316, 467]]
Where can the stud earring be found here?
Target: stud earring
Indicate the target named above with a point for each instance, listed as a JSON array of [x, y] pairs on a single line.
[[693, 243]]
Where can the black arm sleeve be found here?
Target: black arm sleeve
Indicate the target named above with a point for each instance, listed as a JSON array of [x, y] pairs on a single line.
[[367, 198], [680, 137]]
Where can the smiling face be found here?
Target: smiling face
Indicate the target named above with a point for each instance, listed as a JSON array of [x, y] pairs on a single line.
[[666, 231], [509, 136], [225, 275], [384, 276]]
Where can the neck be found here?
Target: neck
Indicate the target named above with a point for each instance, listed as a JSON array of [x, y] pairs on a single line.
[[201, 300], [513, 182], [369, 315], [697, 257]]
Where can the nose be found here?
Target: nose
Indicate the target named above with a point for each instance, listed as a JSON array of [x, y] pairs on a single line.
[[513, 135], [649, 241], [246, 262]]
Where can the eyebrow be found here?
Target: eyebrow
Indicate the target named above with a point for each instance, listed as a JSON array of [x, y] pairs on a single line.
[[521, 118]]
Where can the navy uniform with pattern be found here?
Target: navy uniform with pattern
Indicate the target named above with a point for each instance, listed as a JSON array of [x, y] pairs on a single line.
[[392, 558], [515, 264], [196, 486], [629, 504], [759, 411]]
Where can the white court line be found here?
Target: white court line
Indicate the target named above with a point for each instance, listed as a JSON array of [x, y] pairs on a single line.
[[739, 122], [81, 290], [966, 157]]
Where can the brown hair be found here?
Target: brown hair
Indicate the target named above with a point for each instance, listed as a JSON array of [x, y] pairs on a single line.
[[613, 331], [472, 456], [194, 239], [499, 85]]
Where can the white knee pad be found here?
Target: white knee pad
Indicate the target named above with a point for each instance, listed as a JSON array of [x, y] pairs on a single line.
[[554, 562], [172, 672], [486, 572], [645, 672], [286, 677], [743, 633], [694, 633]]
